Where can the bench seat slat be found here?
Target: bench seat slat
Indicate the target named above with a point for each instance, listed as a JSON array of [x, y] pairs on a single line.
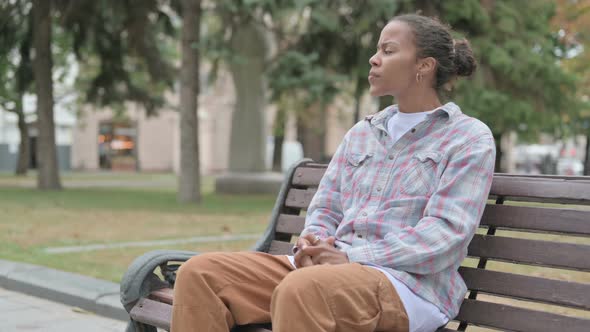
[[159, 314], [251, 328], [280, 248], [153, 313], [308, 176], [534, 252], [511, 318], [571, 294], [290, 224], [558, 190], [536, 218], [165, 295]]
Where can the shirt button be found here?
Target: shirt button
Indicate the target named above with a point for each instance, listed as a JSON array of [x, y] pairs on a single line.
[[364, 214], [378, 188], [360, 236], [390, 157], [413, 130]]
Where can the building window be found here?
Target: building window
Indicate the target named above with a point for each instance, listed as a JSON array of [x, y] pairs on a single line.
[[117, 146]]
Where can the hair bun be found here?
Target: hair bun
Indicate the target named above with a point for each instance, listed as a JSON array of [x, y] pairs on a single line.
[[464, 60]]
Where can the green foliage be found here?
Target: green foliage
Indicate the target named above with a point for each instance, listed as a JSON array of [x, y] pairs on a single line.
[[15, 63], [520, 84], [333, 47], [572, 24], [16, 74], [321, 44], [464, 13], [296, 72], [240, 10], [344, 34], [125, 50]]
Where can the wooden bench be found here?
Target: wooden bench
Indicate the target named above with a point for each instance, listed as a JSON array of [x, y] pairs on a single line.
[[528, 267]]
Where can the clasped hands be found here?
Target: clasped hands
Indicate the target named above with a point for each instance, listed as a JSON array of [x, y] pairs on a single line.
[[311, 250]]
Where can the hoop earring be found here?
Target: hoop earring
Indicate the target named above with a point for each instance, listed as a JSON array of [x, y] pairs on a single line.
[[418, 77]]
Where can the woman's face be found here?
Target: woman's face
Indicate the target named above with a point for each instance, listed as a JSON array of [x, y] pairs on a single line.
[[394, 65]]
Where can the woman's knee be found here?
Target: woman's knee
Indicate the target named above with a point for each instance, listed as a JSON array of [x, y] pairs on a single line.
[[197, 265], [302, 284]]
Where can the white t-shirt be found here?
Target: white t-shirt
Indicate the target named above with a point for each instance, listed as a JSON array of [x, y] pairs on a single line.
[[400, 123]]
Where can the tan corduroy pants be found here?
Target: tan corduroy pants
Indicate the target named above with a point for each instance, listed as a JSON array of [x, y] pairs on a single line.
[[216, 291]]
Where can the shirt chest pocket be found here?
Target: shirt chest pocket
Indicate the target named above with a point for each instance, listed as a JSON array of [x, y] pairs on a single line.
[[355, 171], [421, 176]]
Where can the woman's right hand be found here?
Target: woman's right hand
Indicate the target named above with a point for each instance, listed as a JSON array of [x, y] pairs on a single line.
[[301, 259]]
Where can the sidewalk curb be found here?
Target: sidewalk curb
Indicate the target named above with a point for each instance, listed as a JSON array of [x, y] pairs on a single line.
[[95, 295]]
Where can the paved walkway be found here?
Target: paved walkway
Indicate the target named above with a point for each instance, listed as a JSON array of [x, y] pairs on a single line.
[[20, 312]]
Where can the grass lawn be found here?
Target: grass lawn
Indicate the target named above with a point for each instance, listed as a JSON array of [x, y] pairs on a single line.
[[33, 220]]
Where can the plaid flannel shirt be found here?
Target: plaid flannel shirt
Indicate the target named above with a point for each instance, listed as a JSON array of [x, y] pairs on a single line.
[[411, 206]]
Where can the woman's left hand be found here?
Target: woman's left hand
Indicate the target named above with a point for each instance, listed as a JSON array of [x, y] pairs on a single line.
[[325, 253]]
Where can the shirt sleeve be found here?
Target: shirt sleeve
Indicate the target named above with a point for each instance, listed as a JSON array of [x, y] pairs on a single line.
[[440, 239], [325, 210]]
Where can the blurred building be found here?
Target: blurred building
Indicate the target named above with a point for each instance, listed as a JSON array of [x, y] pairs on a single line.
[[92, 139], [135, 142], [10, 136]]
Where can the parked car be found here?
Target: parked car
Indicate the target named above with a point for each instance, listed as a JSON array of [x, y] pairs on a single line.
[[569, 166]]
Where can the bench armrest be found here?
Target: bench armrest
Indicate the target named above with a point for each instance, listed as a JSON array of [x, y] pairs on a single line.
[[139, 280]]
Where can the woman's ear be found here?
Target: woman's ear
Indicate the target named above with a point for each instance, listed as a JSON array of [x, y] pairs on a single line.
[[427, 65]]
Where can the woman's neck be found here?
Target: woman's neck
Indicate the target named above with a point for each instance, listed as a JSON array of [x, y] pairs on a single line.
[[422, 102]]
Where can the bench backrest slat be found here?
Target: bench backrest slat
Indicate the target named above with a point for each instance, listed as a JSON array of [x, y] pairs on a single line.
[[308, 176], [534, 252], [299, 198], [290, 224], [516, 238], [566, 293], [541, 189], [280, 248], [537, 218]]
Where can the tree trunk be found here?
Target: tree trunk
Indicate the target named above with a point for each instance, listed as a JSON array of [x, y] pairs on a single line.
[[248, 131], [279, 138], [22, 164], [311, 131], [48, 173], [189, 185], [587, 158], [358, 94], [498, 166]]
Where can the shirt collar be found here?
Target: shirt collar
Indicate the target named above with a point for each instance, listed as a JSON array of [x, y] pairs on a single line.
[[451, 109]]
